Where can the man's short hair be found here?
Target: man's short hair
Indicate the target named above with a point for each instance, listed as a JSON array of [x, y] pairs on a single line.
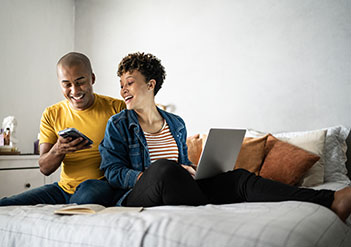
[[147, 64], [75, 58]]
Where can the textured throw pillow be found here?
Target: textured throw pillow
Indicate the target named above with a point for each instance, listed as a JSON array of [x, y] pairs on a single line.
[[250, 157], [251, 154], [194, 144], [312, 141], [284, 162], [334, 155]]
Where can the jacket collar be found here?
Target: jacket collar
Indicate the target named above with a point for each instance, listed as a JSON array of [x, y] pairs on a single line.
[[134, 122]]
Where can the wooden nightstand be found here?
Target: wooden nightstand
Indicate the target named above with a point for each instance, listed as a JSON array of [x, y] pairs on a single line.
[[19, 173]]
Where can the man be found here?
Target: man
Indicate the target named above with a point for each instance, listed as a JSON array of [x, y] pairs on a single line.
[[81, 179]]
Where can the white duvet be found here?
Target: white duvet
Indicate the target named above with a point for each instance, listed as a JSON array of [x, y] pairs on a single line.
[[245, 224]]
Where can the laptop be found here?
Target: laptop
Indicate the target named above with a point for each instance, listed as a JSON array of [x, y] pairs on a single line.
[[220, 152]]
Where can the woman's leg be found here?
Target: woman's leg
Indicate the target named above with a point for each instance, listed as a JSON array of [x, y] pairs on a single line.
[[342, 203], [165, 183], [243, 186]]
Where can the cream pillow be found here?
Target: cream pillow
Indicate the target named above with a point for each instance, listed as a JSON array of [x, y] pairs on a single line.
[[313, 142]]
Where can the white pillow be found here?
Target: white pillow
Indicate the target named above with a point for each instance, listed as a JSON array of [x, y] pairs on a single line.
[[334, 155]]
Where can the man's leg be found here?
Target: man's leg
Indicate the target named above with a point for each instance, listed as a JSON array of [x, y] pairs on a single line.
[[165, 182], [47, 194], [96, 192], [240, 185]]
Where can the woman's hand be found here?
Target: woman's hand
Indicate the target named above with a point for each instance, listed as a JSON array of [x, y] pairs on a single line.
[[190, 170], [140, 174]]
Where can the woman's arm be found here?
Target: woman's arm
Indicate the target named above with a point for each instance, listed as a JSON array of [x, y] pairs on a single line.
[[115, 160], [184, 159]]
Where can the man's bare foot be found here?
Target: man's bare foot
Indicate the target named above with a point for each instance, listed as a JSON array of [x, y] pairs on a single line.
[[342, 203]]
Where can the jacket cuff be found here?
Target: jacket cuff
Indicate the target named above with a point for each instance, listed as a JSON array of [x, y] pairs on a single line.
[[131, 178]]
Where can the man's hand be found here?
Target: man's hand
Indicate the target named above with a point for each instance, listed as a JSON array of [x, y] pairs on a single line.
[[190, 170], [66, 145], [51, 155]]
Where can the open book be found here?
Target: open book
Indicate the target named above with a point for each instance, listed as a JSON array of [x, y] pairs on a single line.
[[95, 209]]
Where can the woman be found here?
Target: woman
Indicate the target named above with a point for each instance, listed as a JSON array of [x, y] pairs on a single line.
[[144, 152]]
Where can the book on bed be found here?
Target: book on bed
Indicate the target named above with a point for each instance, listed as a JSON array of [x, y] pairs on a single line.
[[94, 209]]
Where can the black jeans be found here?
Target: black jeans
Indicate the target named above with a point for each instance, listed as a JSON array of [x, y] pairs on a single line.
[[167, 183]]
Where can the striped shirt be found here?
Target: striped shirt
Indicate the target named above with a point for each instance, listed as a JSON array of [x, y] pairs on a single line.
[[162, 144]]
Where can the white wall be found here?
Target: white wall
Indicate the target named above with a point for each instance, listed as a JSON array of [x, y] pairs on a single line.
[[271, 65], [34, 35]]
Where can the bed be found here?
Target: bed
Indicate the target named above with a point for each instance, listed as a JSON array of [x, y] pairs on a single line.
[[289, 223]]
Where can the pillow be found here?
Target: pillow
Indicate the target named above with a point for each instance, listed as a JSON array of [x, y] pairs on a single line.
[[250, 157], [334, 155], [251, 154], [284, 162], [313, 142], [194, 144]]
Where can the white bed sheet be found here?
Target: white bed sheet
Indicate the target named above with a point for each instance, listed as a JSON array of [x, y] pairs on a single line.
[[245, 224], [331, 186]]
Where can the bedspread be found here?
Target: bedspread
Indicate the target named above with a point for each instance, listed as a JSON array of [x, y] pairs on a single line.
[[278, 224]]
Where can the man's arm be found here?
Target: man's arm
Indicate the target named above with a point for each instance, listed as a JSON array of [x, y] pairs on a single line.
[[51, 155]]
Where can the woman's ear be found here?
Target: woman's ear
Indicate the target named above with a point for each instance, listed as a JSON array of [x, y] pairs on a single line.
[[151, 84]]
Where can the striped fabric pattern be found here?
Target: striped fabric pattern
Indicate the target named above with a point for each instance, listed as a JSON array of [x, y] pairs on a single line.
[[162, 144]]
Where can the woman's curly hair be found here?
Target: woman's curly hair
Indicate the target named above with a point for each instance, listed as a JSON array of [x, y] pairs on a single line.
[[147, 64]]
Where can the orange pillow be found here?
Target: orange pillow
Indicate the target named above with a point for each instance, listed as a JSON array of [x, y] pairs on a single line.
[[251, 154], [285, 162], [194, 144], [250, 157]]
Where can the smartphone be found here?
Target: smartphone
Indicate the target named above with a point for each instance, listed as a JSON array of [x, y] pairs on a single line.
[[74, 134]]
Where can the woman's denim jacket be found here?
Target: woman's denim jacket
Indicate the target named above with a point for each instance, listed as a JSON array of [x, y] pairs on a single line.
[[124, 150]]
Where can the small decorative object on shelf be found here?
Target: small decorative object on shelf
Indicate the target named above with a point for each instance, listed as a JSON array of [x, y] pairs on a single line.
[[8, 136], [7, 150], [2, 137], [36, 145]]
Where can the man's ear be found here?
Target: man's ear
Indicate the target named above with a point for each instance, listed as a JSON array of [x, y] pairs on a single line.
[[92, 78], [151, 84]]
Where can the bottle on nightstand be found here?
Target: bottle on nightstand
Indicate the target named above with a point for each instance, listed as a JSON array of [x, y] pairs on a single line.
[[36, 145]]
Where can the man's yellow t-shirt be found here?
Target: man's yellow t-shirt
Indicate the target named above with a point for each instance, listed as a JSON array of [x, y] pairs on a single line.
[[83, 164]]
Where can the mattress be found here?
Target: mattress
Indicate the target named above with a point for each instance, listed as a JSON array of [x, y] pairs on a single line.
[[288, 223]]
